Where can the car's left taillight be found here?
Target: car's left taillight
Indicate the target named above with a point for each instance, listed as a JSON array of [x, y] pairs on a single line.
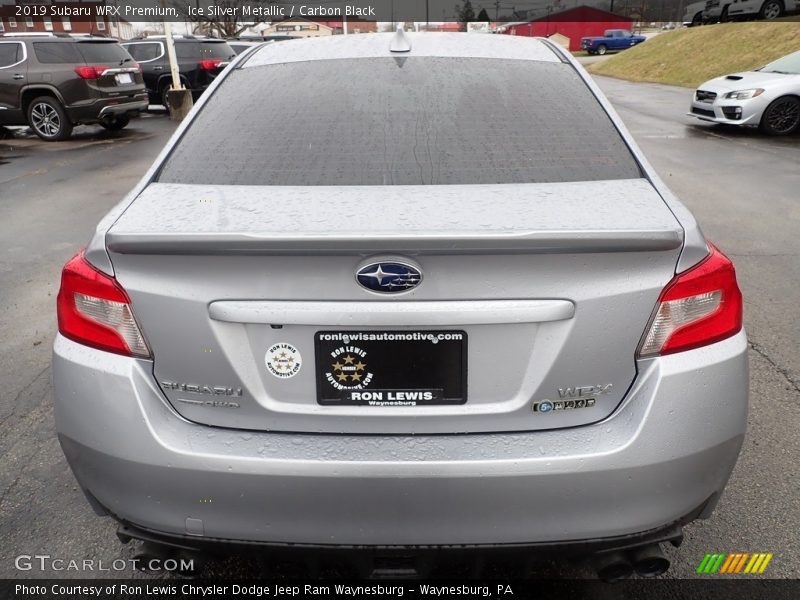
[[209, 64], [93, 309], [91, 71]]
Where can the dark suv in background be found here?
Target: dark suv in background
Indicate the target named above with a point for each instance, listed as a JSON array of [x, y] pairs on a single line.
[[200, 60], [53, 82]]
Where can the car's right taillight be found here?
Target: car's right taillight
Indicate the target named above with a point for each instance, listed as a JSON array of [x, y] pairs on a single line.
[[698, 307], [94, 310]]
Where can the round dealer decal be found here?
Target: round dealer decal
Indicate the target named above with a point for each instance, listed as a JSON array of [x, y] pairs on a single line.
[[283, 360]]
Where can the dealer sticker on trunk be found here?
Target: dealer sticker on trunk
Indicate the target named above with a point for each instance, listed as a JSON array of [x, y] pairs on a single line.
[[283, 360]]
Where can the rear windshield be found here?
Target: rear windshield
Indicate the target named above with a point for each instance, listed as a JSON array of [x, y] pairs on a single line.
[[109, 53], [216, 50], [401, 121], [103, 52], [202, 50]]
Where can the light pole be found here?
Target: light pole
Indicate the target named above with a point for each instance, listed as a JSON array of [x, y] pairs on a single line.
[[178, 99]]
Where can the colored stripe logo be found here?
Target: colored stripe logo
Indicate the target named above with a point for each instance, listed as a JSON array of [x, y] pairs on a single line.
[[732, 564]]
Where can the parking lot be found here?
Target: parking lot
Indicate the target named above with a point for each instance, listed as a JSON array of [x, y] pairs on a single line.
[[741, 186]]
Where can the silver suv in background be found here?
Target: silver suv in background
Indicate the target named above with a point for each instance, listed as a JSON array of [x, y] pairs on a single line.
[[373, 326], [716, 11], [762, 9], [727, 10]]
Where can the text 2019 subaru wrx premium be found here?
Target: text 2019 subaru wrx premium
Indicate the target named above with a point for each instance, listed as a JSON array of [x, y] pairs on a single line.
[[393, 290]]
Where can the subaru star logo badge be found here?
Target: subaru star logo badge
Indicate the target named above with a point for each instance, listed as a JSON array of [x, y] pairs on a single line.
[[389, 277]]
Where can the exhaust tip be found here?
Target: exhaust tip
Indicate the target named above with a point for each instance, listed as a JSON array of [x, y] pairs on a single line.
[[150, 551], [612, 566], [649, 561]]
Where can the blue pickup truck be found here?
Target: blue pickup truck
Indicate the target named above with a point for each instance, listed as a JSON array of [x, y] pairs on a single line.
[[613, 39]]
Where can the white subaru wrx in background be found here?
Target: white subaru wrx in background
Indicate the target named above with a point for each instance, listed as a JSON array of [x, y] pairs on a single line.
[[768, 98]]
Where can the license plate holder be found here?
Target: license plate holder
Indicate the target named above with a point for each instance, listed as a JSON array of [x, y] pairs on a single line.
[[391, 368]]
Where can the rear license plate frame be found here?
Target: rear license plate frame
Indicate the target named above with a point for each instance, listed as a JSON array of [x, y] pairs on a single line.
[[394, 367]]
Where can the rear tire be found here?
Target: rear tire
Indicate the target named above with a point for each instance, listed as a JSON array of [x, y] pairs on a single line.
[[116, 123], [697, 20], [782, 116], [165, 97], [771, 9], [48, 119], [602, 49]]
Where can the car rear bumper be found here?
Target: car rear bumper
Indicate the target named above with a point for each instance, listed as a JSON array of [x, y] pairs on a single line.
[[121, 109], [106, 107], [663, 453]]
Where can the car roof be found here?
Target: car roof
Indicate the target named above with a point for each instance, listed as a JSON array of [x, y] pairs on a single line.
[[373, 45], [58, 37], [177, 39]]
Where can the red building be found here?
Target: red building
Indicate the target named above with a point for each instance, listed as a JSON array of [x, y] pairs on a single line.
[[446, 27], [575, 23], [23, 17], [354, 25]]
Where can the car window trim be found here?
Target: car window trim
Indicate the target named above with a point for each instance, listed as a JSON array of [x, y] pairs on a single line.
[[24, 53], [142, 62]]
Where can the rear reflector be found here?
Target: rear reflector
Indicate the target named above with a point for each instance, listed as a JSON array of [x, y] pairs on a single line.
[[698, 307], [90, 71], [94, 310]]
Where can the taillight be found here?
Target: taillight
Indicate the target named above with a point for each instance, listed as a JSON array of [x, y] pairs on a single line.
[[94, 310], [698, 307], [209, 64], [90, 71]]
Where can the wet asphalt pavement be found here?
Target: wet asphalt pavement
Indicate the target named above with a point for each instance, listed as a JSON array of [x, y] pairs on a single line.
[[743, 188]]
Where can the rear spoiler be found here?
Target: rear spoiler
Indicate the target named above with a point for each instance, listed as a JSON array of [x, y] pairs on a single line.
[[556, 242], [615, 216]]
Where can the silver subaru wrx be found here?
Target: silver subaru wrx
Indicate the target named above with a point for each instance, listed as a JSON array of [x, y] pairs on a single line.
[[403, 290]]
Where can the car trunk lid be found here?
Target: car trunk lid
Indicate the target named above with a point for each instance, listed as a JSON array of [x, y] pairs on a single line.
[[548, 288]]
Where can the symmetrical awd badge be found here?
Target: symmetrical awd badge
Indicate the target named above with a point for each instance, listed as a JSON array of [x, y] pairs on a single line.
[[389, 276]]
